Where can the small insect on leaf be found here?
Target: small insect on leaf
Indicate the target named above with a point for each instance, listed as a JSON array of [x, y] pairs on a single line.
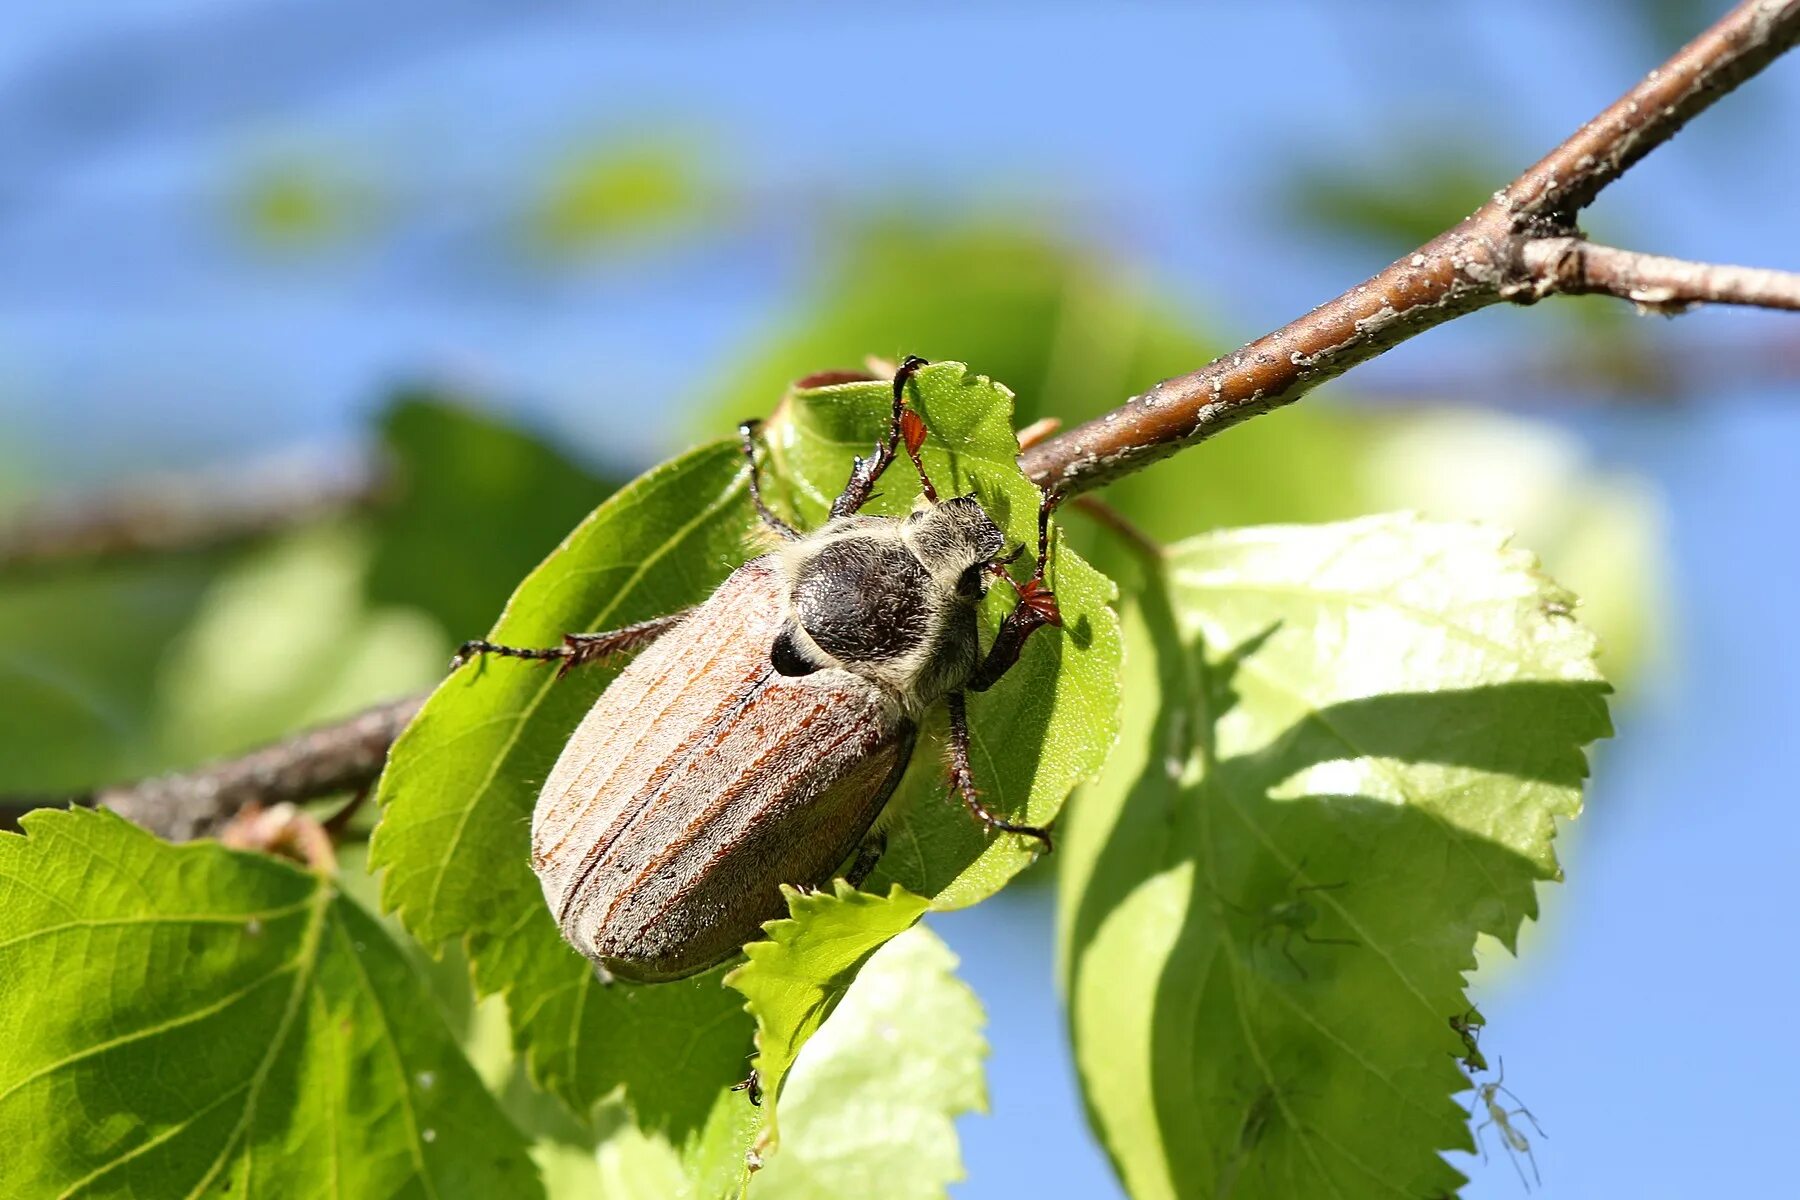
[[1487, 1096], [1468, 1027]]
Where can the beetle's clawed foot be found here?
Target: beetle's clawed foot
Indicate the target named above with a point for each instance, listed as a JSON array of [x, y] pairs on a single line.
[[1035, 598], [963, 784]]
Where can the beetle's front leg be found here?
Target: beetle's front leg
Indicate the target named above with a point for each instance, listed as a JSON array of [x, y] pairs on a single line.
[[963, 779], [1036, 608], [578, 648]]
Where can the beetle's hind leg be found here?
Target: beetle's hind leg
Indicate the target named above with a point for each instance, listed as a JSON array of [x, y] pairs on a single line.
[[577, 648], [963, 779], [747, 439], [905, 427]]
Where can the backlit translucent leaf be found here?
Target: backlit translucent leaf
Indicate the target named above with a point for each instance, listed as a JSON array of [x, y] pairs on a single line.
[[795, 978], [1359, 733], [870, 1106], [188, 1020]]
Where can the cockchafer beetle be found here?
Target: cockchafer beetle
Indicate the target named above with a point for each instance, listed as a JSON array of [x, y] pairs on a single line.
[[758, 736]]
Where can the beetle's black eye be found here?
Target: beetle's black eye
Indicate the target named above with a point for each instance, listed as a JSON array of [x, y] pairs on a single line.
[[788, 658], [972, 584]]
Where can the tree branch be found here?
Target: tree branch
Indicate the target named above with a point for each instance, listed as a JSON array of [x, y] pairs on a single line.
[[1479, 262], [162, 516], [1574, 266], [344, 757]]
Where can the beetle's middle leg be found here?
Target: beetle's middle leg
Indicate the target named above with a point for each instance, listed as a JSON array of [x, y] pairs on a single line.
[[963, 779], [1036, 608], [578, 648], [905, 427], [867, 856], [747, 439]]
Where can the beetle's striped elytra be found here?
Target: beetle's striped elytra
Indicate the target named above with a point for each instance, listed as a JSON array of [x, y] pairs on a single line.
[[757, 737]]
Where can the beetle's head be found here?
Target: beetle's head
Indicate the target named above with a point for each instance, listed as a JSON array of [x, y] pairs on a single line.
[[956, 541]]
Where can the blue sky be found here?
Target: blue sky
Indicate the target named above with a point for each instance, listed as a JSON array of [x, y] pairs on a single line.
[[1646, 1031]]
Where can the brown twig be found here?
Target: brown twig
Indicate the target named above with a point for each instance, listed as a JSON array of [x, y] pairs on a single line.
[[1122, 527], [1479, 262], [1574, 266], [319, 762], [162, 516]]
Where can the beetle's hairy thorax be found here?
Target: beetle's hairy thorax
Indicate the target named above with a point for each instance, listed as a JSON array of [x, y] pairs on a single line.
[[892, 599]]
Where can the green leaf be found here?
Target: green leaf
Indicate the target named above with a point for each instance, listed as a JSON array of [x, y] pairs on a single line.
[[462, 781], [795, 978], [81, 655], [1360, 733], [871, 1104], [188, 1020]]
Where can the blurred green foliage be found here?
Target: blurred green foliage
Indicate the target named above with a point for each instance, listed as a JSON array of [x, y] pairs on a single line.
[[301, 204], [476, 502], [1419, 188], [611, 195]]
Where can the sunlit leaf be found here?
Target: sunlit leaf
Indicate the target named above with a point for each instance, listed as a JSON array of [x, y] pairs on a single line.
[[1048, 723], [871, 1105], [191, 1020], [1347, 762], [462, 781], [798, 974]]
